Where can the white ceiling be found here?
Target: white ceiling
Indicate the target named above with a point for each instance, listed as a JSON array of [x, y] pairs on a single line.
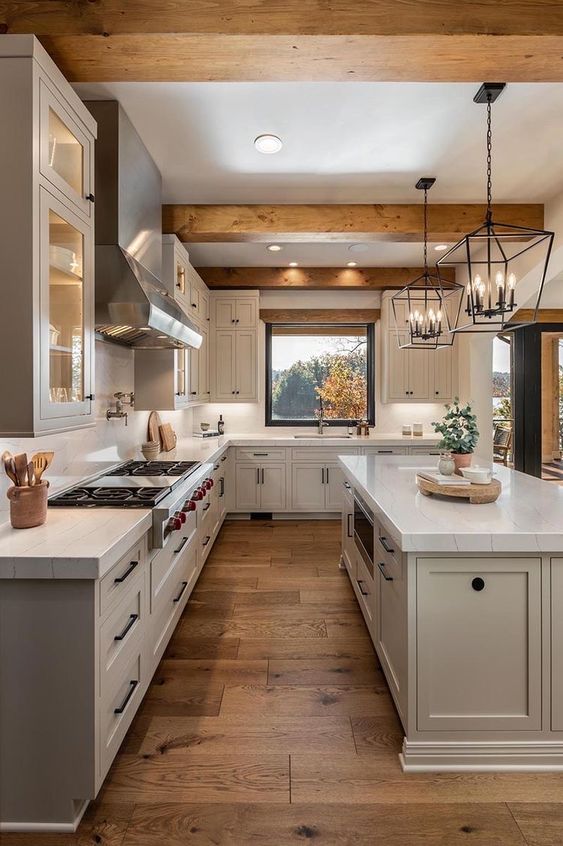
[[329, 254], [343, 143]]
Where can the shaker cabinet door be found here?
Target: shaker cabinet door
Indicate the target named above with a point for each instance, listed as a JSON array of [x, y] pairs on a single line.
[[479, 646], [225, 364], [246, 365], [247, 487]]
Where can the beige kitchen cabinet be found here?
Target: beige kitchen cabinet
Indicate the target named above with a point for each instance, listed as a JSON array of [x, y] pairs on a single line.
[[556, 565], [47, 247], [364, 584], [162, 379], [479, 644], [203, 364], [408, 371], [390, 630], [260, 487], [175, 271], [316, 486], [239, 311], [334, 480]]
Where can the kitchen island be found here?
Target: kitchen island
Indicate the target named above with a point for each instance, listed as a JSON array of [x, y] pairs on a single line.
[[464, 604]]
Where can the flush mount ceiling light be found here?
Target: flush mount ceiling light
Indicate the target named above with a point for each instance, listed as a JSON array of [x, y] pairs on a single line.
[[268, 144], [351, 264], [441, 248], [294, 264], [273, 248], [425, 310], [490, 257]]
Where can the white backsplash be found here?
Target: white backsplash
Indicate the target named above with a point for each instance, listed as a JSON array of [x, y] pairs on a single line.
[[86, 451]]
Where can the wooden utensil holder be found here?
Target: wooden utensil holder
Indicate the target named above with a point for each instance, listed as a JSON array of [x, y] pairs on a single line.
[[28, 505]]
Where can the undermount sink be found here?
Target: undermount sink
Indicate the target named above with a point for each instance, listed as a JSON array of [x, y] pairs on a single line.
[[325, 437]]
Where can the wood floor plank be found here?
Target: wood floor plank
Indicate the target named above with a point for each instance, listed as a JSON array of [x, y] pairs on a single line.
[[285, 700], [379, 778], [325, 671], [199, 672], [210, 778], [323, 825], [230, 579], [274, 580], [293, 648], [253, 629], [541, 823], [262, 735], [170, 695], [267, 599], [201, 647], [377, 733]]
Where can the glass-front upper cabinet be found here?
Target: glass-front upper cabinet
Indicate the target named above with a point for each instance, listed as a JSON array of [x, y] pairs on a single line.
[[65, 152], [66, 308]]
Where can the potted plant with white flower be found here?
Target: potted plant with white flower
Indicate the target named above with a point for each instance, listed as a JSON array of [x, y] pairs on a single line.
[[459, 433]]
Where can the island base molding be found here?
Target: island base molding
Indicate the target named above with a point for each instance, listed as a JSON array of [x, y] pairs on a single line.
[[47, 827], [423, 756]]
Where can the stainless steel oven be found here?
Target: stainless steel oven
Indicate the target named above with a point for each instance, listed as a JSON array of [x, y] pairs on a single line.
[[364, 532]]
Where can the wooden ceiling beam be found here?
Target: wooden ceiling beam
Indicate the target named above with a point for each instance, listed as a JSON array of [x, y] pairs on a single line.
[[288, 40], [311, 223], [312, 278]]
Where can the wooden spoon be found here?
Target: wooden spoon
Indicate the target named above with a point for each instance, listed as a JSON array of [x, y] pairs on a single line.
[[9, 467], [21, 468], [30, 474], [40, 461]]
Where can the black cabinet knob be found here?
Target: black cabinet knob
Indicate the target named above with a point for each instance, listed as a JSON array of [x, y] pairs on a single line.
[[478, 583], [90, 198]]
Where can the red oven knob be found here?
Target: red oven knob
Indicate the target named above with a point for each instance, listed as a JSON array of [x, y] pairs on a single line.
[[209, 483], [189, 505], [174, 524], [181, 516], [197, 495]]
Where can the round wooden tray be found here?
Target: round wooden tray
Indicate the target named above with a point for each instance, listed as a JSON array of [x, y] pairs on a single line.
[[474, 493]]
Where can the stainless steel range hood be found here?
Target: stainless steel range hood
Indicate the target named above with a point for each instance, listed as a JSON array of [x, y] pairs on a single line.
[[133, 306]]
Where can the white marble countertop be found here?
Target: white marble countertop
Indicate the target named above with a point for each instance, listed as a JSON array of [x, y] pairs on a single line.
[[85, 543], [527, 516]]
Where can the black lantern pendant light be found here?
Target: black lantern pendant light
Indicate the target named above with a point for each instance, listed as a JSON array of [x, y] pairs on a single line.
[[425, 310], [495, 256]]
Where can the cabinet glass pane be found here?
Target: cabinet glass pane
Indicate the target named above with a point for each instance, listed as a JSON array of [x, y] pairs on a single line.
[[66, 311], [181, 374], [66, 154]]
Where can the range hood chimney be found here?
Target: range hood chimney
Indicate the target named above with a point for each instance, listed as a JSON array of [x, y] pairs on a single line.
[[133, 306]]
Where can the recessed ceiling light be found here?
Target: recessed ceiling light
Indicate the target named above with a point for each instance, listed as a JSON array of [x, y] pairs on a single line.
[[358, 248], [273, 248], [293, 264], [351, 264], [268, 144], [441, 247]]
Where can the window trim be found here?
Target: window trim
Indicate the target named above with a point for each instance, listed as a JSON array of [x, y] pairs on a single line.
[[370, 375]]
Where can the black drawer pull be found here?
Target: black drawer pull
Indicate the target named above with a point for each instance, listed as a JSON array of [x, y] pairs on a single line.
[[90, 198], [183, 542], [205, 507], [348, 486], [224, 458], [260, 454], [222, 488], [132, 620], [362, 591], [349, 532], [180, 595], [215, 466], [385, 452], [125, 703], [478, 583], [127, 573], [206, 541], [381, 566], [385, 545]]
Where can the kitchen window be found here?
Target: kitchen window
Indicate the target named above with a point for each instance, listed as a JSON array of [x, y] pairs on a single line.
[[310, 364]]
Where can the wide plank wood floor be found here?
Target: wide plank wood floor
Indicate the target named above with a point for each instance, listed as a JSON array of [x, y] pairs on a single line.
[[269, 723]]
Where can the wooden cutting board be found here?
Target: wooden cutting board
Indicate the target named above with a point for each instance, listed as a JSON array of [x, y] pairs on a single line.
[[167, 437], [476, 494], [153, 431]]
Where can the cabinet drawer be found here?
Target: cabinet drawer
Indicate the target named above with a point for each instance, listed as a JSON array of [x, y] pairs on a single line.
[[386, 450], [322, 454], [167, 560], [424, 450], [123, 628], [172, 603], [387, 548], [118, 709], [259, 455], [364, 587], [479, 644], [116, 583]]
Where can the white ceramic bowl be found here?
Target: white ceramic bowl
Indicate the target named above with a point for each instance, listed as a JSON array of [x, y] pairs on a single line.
[[478, 475]]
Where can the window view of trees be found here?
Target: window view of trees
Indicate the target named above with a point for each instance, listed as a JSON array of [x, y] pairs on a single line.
[[310, 364], [502, 406]]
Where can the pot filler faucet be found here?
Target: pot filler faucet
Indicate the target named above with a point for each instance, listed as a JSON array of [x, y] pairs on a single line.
[[321, 421], [121, 398]]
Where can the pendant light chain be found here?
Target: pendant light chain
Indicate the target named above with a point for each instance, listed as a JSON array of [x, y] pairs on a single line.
[[489, 162], [425, 231]]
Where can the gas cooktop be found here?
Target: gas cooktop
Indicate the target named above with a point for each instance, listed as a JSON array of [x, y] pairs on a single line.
[[135, 484]]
